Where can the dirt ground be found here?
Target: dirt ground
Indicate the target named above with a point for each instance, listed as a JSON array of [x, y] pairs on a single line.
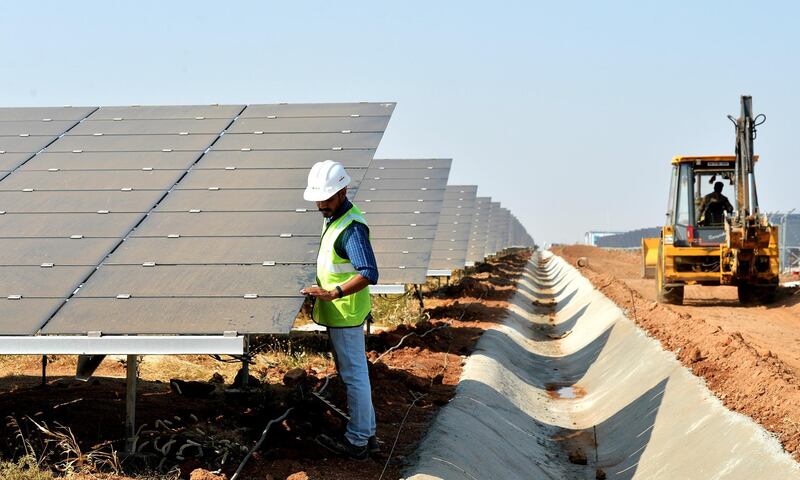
[[212, 426], [748, 355]]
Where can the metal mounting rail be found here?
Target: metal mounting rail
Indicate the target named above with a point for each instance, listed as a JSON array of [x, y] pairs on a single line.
[[387, 289], [122, 345]]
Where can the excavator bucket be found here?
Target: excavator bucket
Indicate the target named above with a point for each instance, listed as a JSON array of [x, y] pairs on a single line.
[[649, 257]]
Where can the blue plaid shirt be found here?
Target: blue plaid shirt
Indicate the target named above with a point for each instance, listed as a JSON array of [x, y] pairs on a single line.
[[354, 245]]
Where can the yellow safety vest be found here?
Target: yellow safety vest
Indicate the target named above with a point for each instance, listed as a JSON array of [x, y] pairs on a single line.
[[333, 270]]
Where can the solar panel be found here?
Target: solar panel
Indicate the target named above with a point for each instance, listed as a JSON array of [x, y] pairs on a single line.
[[397, 222], [449, 249], [116, 161], [183, 316], [303, 159], [65, 180], [231, 244], [132, 143], [55, 251], [215, 250], [9, 161], [34, 127], [491, 231], [43, 282], [27, 144], [167, 126], [299, 141], [498, 230], [515, 233], [43, 114], [63, 213], [302, 110], [162, 112], [479, 231], [229, 224], [74, 226], [248, 179], [262, 125], [77, 201]]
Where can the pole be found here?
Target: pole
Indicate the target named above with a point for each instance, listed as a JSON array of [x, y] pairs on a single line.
[[130, 405], [246, 364], [44, 370]]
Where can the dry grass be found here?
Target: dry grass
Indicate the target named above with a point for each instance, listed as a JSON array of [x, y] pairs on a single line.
[[393, 310], [186, 367], [26, 468], [63, 448], [280, 354]]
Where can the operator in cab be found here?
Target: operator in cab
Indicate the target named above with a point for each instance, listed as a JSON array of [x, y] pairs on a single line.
[[713, 207]]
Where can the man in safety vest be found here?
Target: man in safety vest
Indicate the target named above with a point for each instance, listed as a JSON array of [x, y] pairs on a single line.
[[346, 266]]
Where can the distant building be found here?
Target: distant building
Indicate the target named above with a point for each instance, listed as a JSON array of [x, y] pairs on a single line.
[[632, 239], [789, 240], [591, 238]]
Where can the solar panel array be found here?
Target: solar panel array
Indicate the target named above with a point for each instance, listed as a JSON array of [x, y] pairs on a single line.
[[172, 220], [189, 220], [402, 200], [452, 236]]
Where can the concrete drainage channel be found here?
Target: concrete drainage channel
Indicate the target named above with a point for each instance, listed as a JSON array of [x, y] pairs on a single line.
[[569, 388]]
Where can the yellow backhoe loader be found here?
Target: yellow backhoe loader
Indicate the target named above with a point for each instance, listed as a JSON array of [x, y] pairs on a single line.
[[707, 240]]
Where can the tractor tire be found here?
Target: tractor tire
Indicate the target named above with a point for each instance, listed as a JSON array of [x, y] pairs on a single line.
[[671, 295], [668, 295], [756, 294], [747, 294]]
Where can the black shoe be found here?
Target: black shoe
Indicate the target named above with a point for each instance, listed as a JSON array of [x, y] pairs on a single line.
[[342, 446], [374, 445]]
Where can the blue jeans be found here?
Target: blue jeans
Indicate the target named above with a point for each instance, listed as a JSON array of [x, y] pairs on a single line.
[[351, 362]]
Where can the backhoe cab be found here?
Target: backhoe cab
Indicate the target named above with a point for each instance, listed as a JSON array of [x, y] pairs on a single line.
[[709, 239]]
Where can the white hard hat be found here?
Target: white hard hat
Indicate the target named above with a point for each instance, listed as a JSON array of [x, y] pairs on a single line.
[[324, 180]]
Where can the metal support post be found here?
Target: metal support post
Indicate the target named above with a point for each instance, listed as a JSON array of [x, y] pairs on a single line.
[[418, 288], [44, 370], [246, 364], [130, 404]]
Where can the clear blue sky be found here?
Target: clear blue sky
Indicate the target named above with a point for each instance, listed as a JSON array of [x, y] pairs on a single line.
[[566, 112]]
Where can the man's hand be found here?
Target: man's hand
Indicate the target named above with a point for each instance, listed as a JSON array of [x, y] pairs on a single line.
[[320, 293]]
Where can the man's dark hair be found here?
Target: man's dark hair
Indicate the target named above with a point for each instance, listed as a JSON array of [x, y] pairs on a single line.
[[718, 187]]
